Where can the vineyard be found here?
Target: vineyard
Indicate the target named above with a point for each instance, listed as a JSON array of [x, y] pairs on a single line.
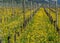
[[30, 23]]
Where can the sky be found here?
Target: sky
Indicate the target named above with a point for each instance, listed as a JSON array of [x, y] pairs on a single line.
[[54, 0], [58, 1]]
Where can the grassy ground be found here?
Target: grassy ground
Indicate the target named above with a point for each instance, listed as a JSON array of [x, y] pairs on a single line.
[[38, 30]]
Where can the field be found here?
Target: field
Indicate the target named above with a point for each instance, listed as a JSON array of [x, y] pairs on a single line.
[[38, 28], [59, 17]]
